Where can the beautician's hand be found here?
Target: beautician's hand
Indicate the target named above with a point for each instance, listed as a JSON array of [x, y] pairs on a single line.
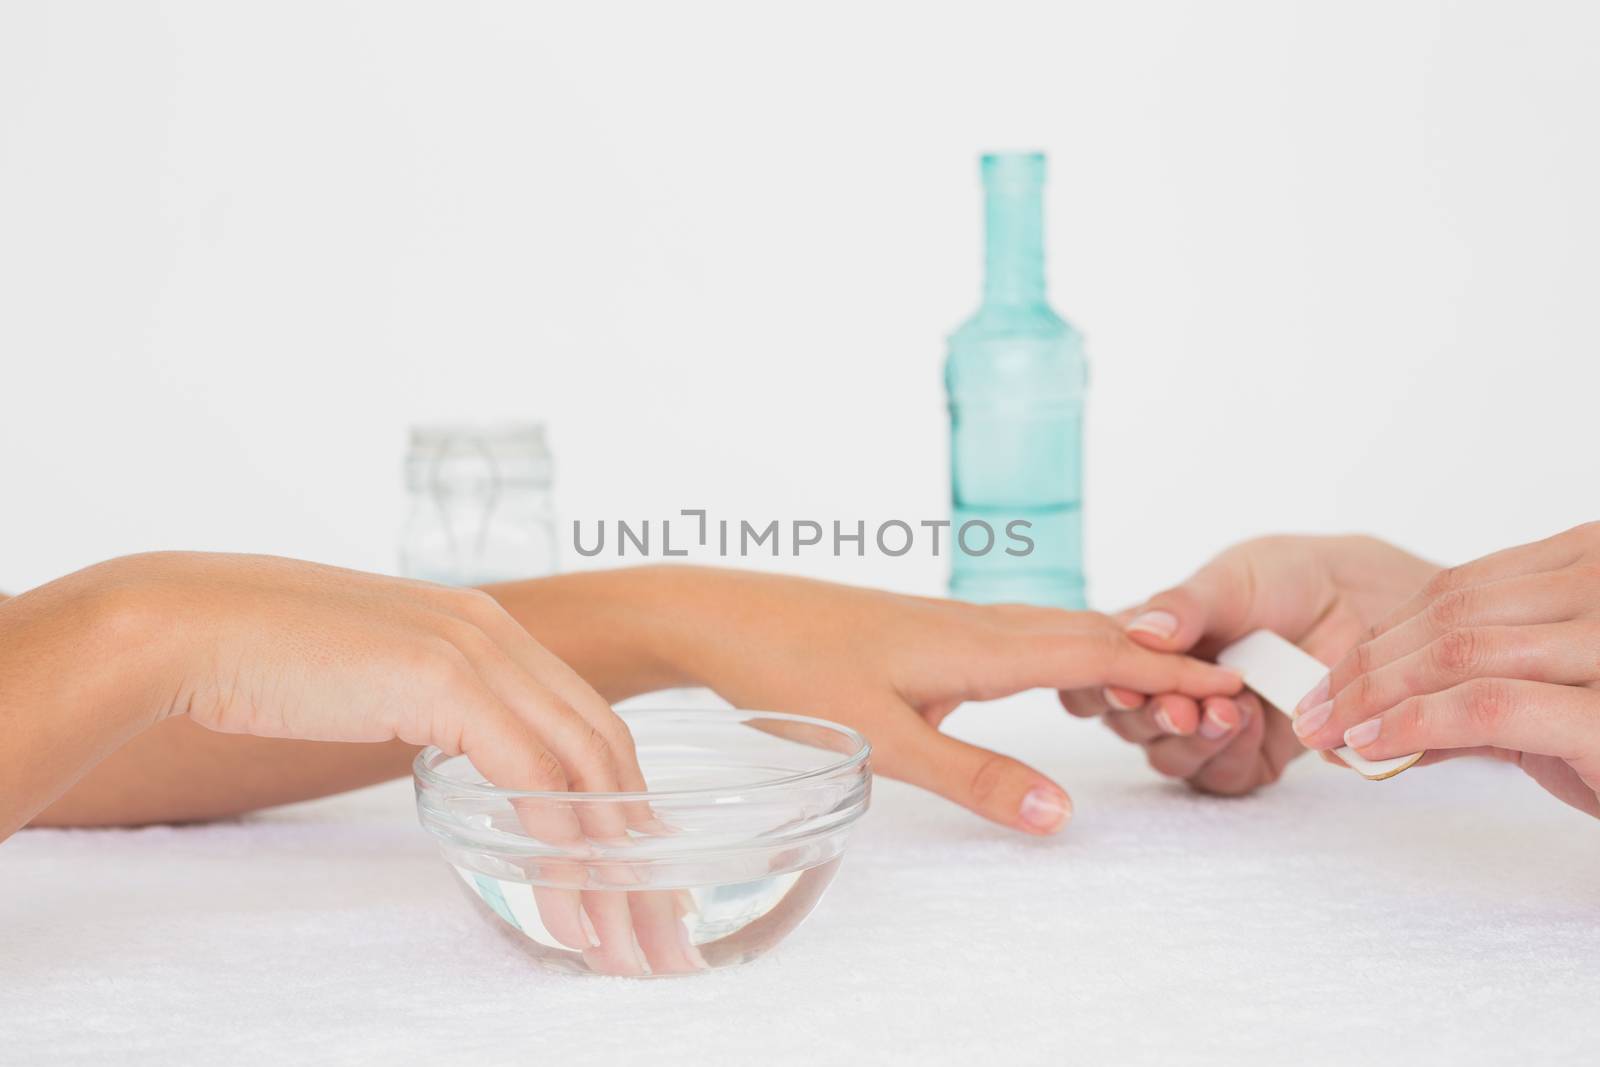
[[1499, 657], [894, 667], [1321, 592]]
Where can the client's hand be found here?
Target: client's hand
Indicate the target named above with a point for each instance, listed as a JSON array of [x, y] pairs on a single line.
[[1496, 657], [895, 666], [284, 649], [1320, 592]]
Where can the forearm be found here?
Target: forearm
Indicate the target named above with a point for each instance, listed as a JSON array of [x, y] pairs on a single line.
[[74, 686], [604, 624]]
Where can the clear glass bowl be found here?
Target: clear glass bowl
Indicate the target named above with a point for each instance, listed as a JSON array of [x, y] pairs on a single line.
[[743, 827]]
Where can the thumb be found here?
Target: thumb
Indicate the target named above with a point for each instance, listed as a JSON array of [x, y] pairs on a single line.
[[997, 787], [1213, 606]]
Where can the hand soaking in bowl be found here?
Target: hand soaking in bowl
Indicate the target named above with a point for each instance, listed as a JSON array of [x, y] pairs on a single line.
[[742, 828]]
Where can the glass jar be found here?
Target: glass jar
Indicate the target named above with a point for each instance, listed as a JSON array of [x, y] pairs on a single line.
[[481, 507]]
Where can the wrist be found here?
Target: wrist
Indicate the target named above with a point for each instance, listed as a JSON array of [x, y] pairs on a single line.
[[617, 628], [133, 643], [75, 683]]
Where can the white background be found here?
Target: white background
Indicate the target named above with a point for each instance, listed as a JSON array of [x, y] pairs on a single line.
[[1336, 264]]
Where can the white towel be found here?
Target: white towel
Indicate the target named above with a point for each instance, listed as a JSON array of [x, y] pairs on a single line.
[[1449, 915]]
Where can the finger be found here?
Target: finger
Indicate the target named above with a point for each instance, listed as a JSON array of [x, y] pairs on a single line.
[[1173, 713], [482, 610], [1240, 765], [997, 787], [1559, 653], [1086, 703], [1536, 717], [1134, 726], [1123, 664], [561, 911], [1183, 757], [1550, 554], [1077, 649], [1123, 699], [586, 756], [510, 755], [619, 952], [1214, 603], [1509, 602], [658, 926], [502, 747]]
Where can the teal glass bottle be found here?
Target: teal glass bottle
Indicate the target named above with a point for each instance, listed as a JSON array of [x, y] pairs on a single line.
[[1016, 377]]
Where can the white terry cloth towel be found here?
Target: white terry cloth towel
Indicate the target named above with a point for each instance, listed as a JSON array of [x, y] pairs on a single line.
[[1450, 915]]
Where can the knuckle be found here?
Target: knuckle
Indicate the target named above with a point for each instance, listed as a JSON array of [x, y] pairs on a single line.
[[1106, 634], [476, 605], [1442, 582], [1583, 535], [1488, 703], [988, 778], [1361, 660], [438, 664], [1167, 760], [1364, 693], [597, 745], [1124, 726], [1230, 779], [1457, 652], [1448, 611], [619, 738], [549, 771]]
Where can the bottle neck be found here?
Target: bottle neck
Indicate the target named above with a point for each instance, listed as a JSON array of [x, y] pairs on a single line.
[[1013, 243]]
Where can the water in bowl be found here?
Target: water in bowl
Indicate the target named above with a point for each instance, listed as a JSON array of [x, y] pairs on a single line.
[[653, 932]]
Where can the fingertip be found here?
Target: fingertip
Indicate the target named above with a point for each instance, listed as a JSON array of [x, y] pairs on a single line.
[[1169, 621], [1121, 699], [1219, 717], [1175, 714], [1082, 703], [1153, 627], [1045, 809]]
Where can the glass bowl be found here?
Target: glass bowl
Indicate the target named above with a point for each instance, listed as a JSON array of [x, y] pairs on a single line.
[[742, 828]]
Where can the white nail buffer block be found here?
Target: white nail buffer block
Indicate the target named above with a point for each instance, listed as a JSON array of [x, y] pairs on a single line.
[[1281, 673]]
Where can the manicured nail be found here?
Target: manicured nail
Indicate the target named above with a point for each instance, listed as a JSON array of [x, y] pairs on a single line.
[[1212, 726], [1164, 721], [690, 951], [588, 929], [1159, 623], [1319, 695], [1044, 809], [1363, 733], [1312, 721], [1116, 702]]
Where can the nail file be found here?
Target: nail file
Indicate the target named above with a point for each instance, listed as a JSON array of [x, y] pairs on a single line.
[[1281, 673]]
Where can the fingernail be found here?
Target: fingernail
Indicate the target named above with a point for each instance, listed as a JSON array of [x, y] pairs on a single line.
[[1312, 721], [690, 951], [1164, 721], [1363, 733], [1319, 695], [1116, 702], [1212, 726], [588, 929], [1044, 809], [1159, 623]]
